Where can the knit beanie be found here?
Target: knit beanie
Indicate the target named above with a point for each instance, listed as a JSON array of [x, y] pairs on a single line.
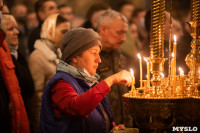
[[78, 40]]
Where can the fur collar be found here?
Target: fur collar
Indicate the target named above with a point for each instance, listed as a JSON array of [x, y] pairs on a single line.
[[44, 47]]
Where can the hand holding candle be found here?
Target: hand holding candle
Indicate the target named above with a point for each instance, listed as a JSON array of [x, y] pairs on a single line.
[[140, 60], [132, 82]]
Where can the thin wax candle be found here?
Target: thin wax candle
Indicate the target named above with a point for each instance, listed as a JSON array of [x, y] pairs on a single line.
[[174, 65], [182, 78], [174, 51], [148, 73], [132, 82], [140, 61]]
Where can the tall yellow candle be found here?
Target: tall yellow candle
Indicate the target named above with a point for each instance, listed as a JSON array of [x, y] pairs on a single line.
[[182, 78], [140, 61], [132, 82], [148, 73], [174, 65], [174, 51]]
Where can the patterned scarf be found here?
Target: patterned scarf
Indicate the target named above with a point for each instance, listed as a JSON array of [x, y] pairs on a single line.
[[13, 50], [82, 74]]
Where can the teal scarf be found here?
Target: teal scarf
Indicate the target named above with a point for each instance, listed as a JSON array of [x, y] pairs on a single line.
[[82, 74]]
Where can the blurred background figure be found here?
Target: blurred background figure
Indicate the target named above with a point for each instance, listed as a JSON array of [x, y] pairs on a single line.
[[126, 8], [138, 17], [44, 59], [130, 47], [31, 21], [43, 9], [135, 35], [5, 9], [9, 26], [19, 11], [93, 14], [134, 30], [66, 11]]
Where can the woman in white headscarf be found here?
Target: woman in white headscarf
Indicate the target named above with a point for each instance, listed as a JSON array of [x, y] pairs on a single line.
[[44, 59]]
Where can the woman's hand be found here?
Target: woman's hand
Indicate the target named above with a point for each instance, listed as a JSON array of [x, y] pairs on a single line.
[[123, 77], [117, 127]]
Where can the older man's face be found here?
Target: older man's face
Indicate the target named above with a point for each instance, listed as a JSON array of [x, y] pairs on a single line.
[[114, 34]]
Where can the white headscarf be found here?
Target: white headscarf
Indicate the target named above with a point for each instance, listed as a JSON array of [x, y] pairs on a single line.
[[48, 27]]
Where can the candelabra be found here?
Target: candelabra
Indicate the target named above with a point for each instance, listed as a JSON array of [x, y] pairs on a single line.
[[193, 58], [175, 85], [157, 42], [157, 106]]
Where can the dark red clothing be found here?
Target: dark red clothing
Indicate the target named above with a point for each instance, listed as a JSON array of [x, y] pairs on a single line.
[[65, 99], [19, 118]]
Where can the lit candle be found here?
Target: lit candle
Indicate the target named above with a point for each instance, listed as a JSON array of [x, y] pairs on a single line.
[[174, 64], [174, 51], [140, 61], [163, 82], [132, 82], [148, 73], [182, 78], [162, 75]]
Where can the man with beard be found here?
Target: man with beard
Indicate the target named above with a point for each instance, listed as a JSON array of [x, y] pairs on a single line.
[[112, 28]]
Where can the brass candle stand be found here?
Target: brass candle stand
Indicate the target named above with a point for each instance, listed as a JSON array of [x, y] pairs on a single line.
[[157, 43], [193, 58], [191, 81], [162, 104]]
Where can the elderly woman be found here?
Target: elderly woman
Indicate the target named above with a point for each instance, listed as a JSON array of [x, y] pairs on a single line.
[[13, 117], [44, 59], [73, 101], [9, 26]]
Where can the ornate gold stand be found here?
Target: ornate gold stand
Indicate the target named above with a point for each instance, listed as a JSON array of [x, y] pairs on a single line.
[[167, 103]]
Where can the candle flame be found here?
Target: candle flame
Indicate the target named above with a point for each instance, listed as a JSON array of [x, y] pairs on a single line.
[[139, 56], [132, 73], [146, 59], [147, 76], [172, 55], [162, 75], [174, 38], [181, 70]]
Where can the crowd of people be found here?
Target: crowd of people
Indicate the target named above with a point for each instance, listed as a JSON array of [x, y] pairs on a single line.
[[60, 73]]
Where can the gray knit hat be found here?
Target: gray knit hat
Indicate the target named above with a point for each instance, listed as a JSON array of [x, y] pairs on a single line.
[[76, 41]]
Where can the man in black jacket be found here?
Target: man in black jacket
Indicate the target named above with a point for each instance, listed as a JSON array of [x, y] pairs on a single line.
[[43, 9]]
